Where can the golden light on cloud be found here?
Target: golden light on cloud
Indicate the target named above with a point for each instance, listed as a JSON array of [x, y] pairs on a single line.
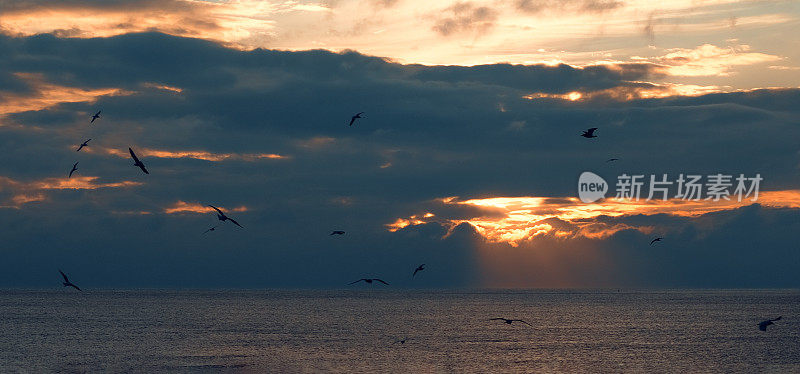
[[163, 87], [25, 198], [710, 60], [182, 207], [198, 155], [636, 91], [79, 183], [516, 219], [46, 95], [37, 191], [227, 21], [403, 222]]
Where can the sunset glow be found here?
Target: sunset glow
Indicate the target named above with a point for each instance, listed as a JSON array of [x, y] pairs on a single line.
[[516, 219]]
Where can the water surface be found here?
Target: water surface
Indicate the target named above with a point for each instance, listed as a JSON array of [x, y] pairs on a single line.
[[354, 331]]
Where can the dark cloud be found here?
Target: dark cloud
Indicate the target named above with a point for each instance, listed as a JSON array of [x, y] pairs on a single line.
[[465, 17], [429, 133], [574, 6]]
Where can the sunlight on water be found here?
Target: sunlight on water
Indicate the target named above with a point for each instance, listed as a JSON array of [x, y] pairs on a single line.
[[354, 331]]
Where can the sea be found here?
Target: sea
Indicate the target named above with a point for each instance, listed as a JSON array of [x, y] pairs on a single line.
[[371, 330]]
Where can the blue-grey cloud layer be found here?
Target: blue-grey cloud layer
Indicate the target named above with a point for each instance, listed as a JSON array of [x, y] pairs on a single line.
[[442, 131]]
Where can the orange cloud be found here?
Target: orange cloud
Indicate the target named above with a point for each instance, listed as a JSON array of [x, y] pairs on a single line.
[[163, 87], [78, 183], [709, 60], [198, 155], [25, 198], [640, 90], [35, 191], [401, 223], [46, 95], [182, 207], [226, 21], [516, 219]]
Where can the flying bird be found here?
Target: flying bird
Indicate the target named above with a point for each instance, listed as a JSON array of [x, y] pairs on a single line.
[[96, 116], [612, 159], [419, 268], [369, 281], [211, 229], [84, 144], [656, 240], [337, 233], [222, 217], [589, 133], [74, 169], [67, 283], [357, 116], [763, 324], [509, 321], [136, 161]]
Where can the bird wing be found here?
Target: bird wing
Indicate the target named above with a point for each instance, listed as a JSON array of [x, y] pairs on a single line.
[[133, 155], [655, 240], [217, 209], [519, 320], [415, 272], [76, 287], [98, 112], [592, 130], [777, 319], [64, 275], [236, 223], [497, 319], [141, 166], [380, 280], [362, 279], [352, 120]]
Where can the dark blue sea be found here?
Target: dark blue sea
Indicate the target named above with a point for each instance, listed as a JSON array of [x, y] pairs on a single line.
[[280, 331]]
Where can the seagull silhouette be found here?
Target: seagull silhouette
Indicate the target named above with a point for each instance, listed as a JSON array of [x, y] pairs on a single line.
[[589, 133], [84, 144], [612, 159], [509, 321], [96, 116], [337, 233], [67, 283], [763, 324], [211, 229], [74, 169], [401, 341], [357, 116], [369, 281], [656, 240], [136, 161], [419, 268], [222, 217]]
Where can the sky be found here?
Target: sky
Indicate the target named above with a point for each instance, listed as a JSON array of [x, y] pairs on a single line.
[[467, 158]]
